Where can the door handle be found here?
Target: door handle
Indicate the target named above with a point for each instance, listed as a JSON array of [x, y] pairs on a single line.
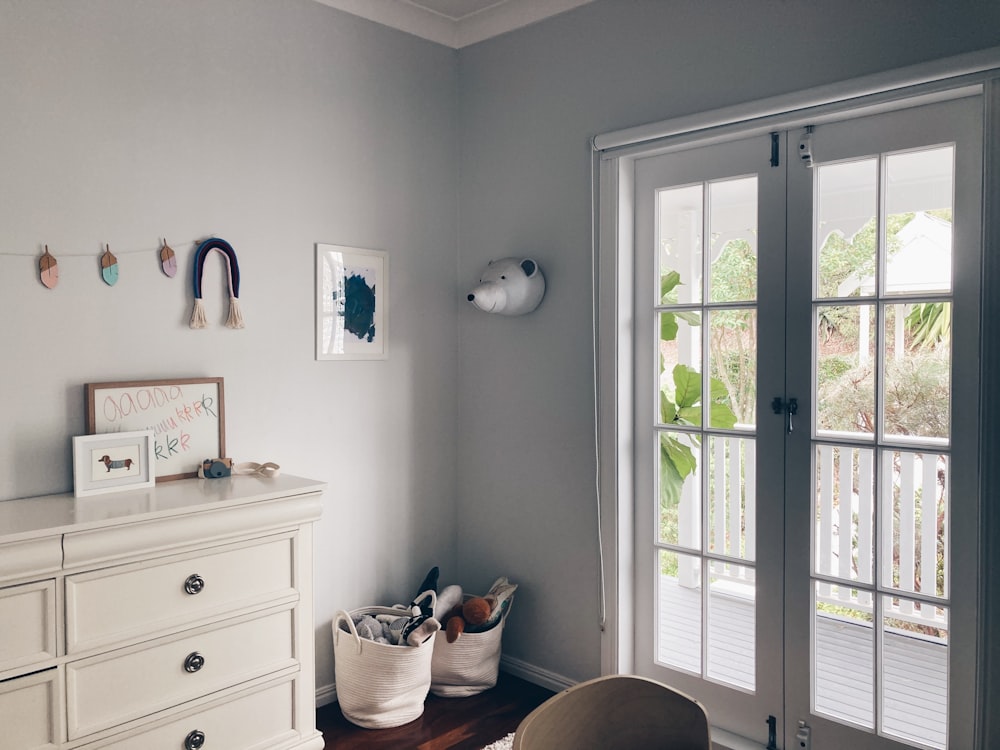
[[790, 407]]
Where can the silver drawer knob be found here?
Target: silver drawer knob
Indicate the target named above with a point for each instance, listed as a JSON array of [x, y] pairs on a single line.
[[194, 584], [194, 662], [194, 740]]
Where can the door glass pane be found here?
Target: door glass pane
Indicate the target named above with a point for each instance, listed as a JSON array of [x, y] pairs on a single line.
[[680, 221], [846, 233], [732, 355], [917, 370], [679, 347], [843, 658], [733, 229], [915, 513], [679, 490], [731, 624], [845, 370], [918, 195], [731, 504], [915, 672], [845, 508], [678, 633]]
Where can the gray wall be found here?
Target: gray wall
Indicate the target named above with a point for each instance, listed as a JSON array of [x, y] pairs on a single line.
[[530, 103], [274, 125]]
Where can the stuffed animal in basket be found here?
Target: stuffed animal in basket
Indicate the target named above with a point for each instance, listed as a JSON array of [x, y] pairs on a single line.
[[475, 614]]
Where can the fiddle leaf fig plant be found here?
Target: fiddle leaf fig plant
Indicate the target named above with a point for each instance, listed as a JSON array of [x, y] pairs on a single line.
[[682, 403]]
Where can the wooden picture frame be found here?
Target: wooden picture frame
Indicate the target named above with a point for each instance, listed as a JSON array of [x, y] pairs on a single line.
[[186, 415], [352, 303], [112, 462]]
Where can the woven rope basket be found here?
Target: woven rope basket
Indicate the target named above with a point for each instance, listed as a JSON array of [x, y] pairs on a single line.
[[468, 666], [379, 685]]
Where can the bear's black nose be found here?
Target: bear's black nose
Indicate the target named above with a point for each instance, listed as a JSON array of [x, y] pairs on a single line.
[[471, 297]]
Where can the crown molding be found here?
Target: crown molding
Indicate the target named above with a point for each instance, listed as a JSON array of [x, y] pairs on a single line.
[[413, 18]]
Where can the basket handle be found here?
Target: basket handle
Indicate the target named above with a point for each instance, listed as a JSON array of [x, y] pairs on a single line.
[[510, 606], [342, 615]]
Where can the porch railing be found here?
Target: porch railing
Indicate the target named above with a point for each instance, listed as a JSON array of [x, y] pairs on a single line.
[[910, 521]]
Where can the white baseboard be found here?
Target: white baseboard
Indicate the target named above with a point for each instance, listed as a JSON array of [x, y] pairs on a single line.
[[531, 673], [326, 694]]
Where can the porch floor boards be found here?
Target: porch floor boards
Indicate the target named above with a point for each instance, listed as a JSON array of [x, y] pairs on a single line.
[[915, 669]]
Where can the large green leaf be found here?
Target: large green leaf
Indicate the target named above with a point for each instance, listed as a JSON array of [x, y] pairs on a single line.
[[671, 483], [689, 415], [677, 462], [717, 390], [668, 326], [679, 454], [687, 386], [668, 409], [722, 416], [668, 282]]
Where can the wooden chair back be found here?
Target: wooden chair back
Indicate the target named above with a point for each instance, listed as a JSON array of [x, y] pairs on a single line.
[[623, 712]]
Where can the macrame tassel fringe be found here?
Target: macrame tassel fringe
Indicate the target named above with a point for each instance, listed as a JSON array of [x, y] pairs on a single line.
[[235, 319], [198, 319]]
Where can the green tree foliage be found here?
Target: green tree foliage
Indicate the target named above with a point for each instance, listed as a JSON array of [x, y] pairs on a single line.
[[929, 324]]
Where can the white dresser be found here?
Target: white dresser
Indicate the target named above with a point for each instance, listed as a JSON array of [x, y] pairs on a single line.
[[176, 618]]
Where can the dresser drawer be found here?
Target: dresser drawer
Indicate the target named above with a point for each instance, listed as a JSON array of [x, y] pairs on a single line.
[[30, 712], [260, 720], [144, 600], [130, 683], [28, 616]]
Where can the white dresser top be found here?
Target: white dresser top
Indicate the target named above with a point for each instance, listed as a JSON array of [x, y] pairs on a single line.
[[50, 515]]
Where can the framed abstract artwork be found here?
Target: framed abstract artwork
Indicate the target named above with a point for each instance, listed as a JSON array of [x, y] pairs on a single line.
[[352, 296]]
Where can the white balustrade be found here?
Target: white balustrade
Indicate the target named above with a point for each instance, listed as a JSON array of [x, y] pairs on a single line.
[[845, 527]]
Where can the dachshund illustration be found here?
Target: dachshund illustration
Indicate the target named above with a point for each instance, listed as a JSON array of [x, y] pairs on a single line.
[[125, 463]]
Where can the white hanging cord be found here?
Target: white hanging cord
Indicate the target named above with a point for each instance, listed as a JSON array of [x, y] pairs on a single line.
[[602, 593]]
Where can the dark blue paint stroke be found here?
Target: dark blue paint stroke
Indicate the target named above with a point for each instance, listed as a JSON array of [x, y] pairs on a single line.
[[359, 307]]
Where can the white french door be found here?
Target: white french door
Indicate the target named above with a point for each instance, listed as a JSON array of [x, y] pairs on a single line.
[[805, 418], [709, 291]]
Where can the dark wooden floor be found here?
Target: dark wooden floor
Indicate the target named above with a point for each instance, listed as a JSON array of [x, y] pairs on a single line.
[[446, 724]]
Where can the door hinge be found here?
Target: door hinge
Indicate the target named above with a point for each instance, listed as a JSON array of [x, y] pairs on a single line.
[[775, 139], [772, 733]]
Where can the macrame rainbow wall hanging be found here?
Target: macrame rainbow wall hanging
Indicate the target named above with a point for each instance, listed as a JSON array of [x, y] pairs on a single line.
[[235, 319]]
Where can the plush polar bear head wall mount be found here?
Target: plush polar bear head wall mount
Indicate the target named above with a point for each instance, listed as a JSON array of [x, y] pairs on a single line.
[[509, 286]]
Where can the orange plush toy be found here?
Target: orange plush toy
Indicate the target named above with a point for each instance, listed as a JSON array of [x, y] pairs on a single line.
[[474, 611]]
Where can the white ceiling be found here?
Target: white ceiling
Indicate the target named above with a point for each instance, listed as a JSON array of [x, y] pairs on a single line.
[[455, 23]]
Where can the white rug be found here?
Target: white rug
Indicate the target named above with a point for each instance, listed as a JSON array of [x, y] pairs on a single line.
[[502, 744]]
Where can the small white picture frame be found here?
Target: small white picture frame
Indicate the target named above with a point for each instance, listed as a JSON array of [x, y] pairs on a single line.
[[112, 462], [352, 303]]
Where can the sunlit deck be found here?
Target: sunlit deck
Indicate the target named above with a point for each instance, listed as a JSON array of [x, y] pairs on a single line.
[[914, 669]]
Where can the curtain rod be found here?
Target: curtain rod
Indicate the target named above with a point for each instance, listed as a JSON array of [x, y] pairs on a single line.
[[877, 83]]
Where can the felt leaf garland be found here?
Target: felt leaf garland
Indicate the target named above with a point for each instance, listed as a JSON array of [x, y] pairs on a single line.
[[48, 269], [109, 267], [168, 260]]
